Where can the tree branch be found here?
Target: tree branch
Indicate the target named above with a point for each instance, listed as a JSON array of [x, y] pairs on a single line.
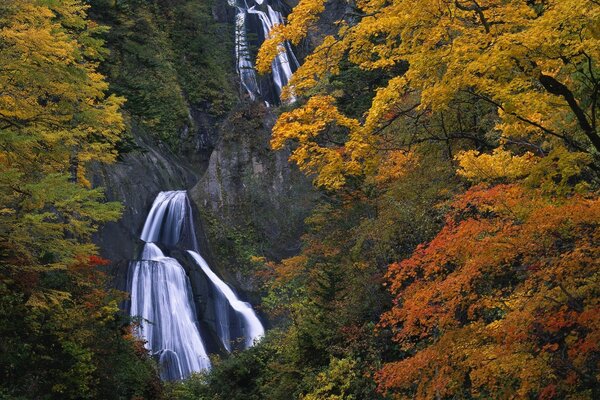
[[557, 88]]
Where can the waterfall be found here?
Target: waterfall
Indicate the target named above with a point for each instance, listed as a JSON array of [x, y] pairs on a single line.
[[161, 295], [284, 63], [162, 299], [252, 329], [245, 67], [169, 221]]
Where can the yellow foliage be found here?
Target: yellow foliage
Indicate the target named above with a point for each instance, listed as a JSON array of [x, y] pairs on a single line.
[[52, 96], [305, 14], [55, 119], [561, 173], [532, 61], [320, 116], [335, 383], [394, 165], [501, 164]]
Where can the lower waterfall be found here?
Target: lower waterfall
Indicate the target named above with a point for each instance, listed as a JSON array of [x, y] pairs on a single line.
[[161, 295], [162, 298], [252, 329]]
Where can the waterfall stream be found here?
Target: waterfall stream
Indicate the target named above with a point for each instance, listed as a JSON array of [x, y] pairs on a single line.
[[252, 329], [257, 18], [162, 297]]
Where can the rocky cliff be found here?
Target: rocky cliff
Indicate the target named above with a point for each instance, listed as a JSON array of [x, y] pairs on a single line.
[[248, 199]]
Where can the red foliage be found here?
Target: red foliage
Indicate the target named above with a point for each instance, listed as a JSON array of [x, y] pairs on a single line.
[[503, 300]]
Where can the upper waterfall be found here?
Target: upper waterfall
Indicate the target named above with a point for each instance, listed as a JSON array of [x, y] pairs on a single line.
[[169, 221], [161, 293], [255, 19]]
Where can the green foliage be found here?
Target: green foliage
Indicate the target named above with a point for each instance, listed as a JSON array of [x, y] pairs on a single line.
[[164, 58], [66, 339], [204, 56], [336, 382], [233, 245], [62, 336], [240, 376], [52, 220]]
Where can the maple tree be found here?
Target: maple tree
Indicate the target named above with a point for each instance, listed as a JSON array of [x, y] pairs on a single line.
[[534, 64], [503, 302]]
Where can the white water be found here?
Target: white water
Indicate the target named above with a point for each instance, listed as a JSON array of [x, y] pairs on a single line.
[[151, 252], [161, 294], [162, 297], [252, 329], [169, 220], [245, 67], [282, 66]]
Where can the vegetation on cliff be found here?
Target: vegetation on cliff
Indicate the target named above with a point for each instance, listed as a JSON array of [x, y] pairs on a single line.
[[454, 253], [167, 57]]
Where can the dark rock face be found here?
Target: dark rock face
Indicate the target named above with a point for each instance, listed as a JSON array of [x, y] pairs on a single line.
[[248, 183], [230, 173], [241, 182]]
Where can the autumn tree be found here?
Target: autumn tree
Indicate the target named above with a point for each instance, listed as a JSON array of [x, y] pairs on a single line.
[[55, 119], [503, 302], [528, 71], [62, 336]]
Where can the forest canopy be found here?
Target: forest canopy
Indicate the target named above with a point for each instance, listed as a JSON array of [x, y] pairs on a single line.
[[452, 249], [491, 71], [491, 107]]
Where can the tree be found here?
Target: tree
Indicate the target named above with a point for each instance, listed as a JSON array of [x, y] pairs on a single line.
[[503, 302], [62, 335], [534, 65], [54, 120]]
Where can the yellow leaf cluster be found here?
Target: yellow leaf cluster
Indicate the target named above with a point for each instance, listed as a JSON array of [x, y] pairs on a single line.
[[319, 116], [534, 62], [52, 96], [501, 164]]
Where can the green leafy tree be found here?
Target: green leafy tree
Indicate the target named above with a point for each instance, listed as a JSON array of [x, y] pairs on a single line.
[[62, 336]]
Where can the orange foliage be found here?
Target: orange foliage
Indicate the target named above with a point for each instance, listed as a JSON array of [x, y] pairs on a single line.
[[503, 302]]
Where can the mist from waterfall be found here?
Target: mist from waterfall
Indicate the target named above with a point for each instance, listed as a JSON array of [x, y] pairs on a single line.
[[162, 297], [282, 67]]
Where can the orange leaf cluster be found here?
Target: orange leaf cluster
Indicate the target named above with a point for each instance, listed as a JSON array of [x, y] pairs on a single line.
[[503, 302]]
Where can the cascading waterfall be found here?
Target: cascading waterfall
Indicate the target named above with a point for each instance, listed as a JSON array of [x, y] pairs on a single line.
[[252, 329], [161, 294], [169, 221], [162, 297], [266, 17]]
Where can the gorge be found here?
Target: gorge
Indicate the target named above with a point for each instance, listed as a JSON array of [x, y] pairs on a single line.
[[162, 296], [414, 216]]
